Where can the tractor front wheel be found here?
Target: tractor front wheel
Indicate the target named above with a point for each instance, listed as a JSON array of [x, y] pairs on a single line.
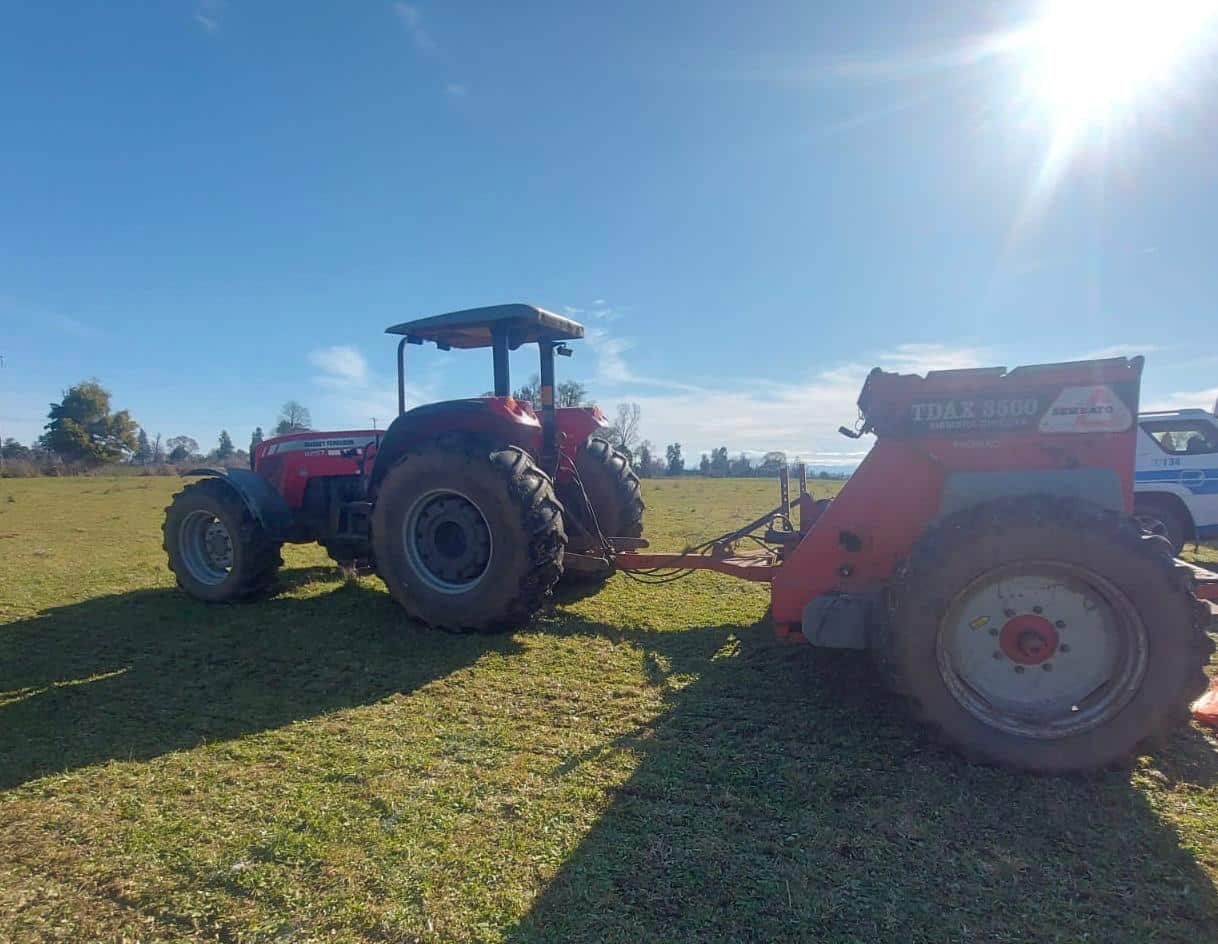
[[467, 537], [606, 496], [216, 548], [1044, 634]]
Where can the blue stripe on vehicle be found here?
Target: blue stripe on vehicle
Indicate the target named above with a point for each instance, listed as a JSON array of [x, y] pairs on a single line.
[[1197, 481]]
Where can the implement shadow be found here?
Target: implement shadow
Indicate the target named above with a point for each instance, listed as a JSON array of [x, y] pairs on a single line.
[[139, 674], [782, 797]]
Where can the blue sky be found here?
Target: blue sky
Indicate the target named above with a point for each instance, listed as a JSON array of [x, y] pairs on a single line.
[[216, 206]]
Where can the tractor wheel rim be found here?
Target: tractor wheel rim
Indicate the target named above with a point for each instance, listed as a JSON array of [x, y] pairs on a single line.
[[1151, 524], [206, 548], [1042, 649], [448, 541]]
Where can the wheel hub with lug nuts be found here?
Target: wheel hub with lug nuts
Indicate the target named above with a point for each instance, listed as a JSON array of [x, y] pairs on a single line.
[[206, 547], [1017, 619], [448, 540]]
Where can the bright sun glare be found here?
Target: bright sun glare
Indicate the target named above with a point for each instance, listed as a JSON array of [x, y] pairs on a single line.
[[1091, 58]]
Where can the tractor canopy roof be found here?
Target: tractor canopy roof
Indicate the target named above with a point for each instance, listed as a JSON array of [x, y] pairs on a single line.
[[476, 327]]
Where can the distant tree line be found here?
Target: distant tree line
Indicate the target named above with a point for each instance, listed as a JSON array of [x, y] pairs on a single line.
[[84, 434]]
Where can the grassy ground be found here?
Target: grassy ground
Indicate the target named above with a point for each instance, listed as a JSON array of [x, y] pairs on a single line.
[[646, 764]]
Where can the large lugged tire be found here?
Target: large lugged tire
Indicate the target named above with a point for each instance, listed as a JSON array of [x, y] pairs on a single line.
[[468, 537], [216, 548], [613, 488], [1045, 634], [614, 492]]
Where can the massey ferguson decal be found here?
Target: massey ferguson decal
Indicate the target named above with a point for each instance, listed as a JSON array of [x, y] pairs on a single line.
[[321, 447], [1087, 410], [1098, 409]]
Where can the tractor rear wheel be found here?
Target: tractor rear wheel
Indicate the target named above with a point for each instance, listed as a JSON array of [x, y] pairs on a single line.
[[468, 537], [217, 549], [610, 501], [1044, 634]]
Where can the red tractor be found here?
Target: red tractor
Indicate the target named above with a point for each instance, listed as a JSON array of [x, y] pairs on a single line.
[[469, 510], [984, 550]]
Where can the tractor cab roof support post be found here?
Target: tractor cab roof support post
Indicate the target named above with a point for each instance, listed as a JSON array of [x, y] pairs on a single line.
[[549, 420], [499, 347], [402, 375]]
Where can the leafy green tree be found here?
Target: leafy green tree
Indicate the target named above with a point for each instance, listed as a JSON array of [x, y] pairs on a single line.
[[82, 428], [181, 448], [719, 462], [676, 464], [772, 463], [644, 459], [143, 449], [225, 448], [705, 465], [16, 451]]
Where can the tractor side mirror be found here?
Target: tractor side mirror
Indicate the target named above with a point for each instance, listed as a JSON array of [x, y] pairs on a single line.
[[563, 351]]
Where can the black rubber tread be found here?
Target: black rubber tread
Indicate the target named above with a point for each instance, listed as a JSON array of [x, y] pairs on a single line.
[[613, 487], [1178, 530], [953, 551], [526, 521], [614, 492], [257, 556]]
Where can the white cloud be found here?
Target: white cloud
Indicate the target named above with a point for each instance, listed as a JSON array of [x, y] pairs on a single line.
[[800, 419], [412, 18], [456, 90], [208, 13], [1119, 350], [341, 365], [1206, 399], [355, 394], [919, 358], [754, 415]]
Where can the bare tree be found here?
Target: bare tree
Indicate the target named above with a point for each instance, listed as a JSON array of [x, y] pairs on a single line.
[[571, 393], [293, 417], [624, 431], [530, 392]]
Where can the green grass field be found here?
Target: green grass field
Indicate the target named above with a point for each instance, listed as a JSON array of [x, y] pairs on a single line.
[[645, 764]]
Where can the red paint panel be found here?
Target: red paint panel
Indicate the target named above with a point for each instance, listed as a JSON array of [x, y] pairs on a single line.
[[886, 504]]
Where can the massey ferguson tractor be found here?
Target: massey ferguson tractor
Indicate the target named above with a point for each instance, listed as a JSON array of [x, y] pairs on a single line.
[[984, 550]]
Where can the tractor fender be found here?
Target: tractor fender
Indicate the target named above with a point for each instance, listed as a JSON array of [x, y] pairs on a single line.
[[497, 419], [259, 497]]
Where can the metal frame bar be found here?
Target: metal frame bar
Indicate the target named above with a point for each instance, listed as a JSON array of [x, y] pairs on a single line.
[[499, 347], [402, 374], [758, 568], [549, 417]]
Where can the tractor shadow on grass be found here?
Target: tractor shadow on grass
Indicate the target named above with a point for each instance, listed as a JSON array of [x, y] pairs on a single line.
[[782, 797], [136, 675]]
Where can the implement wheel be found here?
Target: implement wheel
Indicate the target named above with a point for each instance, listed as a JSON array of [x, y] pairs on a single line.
[[467, 537], [216, 548], [1044, 634]]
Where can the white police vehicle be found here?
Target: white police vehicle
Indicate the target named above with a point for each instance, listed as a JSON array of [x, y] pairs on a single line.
[[1176, 476]]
